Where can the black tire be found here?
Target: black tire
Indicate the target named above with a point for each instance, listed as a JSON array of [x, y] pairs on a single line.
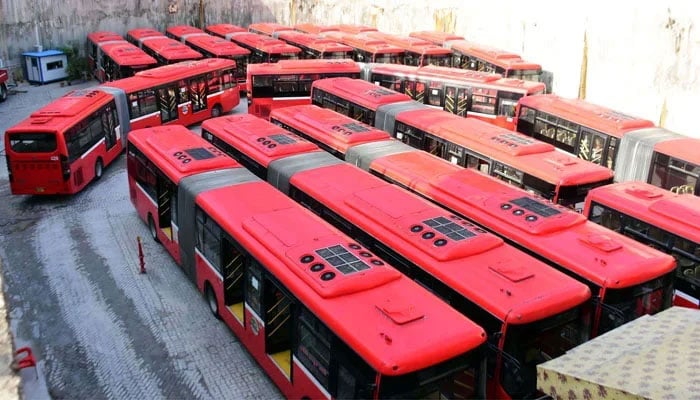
[[99, 169], [3, 92], [152, 228], [211, 300], [216, 111]]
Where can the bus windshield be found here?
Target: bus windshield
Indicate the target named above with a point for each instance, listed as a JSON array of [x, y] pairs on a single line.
[[459, 377], [393, 58], [623, 305], [33, 142], [283, 56], [531, 344]]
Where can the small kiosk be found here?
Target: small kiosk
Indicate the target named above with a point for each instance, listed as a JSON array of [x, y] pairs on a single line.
[[45, 66]]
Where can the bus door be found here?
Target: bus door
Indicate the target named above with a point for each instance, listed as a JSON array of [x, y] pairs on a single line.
[[456, 100], [167, 103], [416, 90], [165, 192], [198, 93], [591, 146], [477, 162], [232, 269], [435, 94], [434, 146], [278, 325], [109, 126]]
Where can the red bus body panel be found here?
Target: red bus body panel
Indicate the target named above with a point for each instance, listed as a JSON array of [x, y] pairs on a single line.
[[183, 32], [137, 36], [314, 29], [170, 50], [126, 55], [314, 42], [268, 28], [224, 30], [437, 37]]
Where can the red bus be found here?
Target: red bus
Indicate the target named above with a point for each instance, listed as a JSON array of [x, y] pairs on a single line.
[[138, 35], [353, 29], [183, 32], [669, 160], [92, 47], [264, 49], [369, 50], [289, 82], [315, 46], [417, 52], [3, 84], [224, 30], [658, 218], [184, 93], [627, 279], [168, 51], [121, 60], [316, 311], [473, 56], [529, 311], [465, 93], [314, 28], [519, 160], [268, 28], [63, 146]]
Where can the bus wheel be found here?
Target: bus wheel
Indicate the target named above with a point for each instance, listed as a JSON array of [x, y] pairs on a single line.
[[152, 228], [3, 92], [211, 300], [99, 168], [216, 111]]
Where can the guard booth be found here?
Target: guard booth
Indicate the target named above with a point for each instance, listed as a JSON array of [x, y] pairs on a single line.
[[45, 66]]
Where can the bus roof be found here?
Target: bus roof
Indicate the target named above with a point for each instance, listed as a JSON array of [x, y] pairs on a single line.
[[171, 49], [587, 114], [182, 32], [414, 45], [308, 66], [335, 130], [314, 42], [270, 142], [180, 152], [353, 29], [127, 54], [63, 112], [103, 36], [268, 28], [675, 213], [436, 37], [552, 231], [507, 283], [218, 46], [223, 30], [264, 43], [169, 73], [492, 55], [370, 45], [389, 320], [685, 149], [141, 33], [361, 92], [314, 28], [514, 149]]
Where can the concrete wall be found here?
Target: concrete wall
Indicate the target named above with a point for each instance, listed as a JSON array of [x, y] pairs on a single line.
[[642, 59]]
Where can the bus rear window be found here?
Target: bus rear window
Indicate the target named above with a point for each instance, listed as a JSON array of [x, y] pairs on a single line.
[[33, 142]]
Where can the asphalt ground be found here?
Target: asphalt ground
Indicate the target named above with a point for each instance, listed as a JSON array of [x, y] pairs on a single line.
[[73, 293]]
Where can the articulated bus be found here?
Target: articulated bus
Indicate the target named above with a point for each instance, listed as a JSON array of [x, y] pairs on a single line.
[[138, 35], [476, 57], [168, 51], [470, 143], [121, 60], [530, 312], [656, 217], [265, 49], [60, 148], [315, 46], [627, 279], [323, 317], [633, 147], [183, 32], [368, 49], [417, 52], [289, 82], [466, 93], [314, 28], [224, 31], [268, 28]]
